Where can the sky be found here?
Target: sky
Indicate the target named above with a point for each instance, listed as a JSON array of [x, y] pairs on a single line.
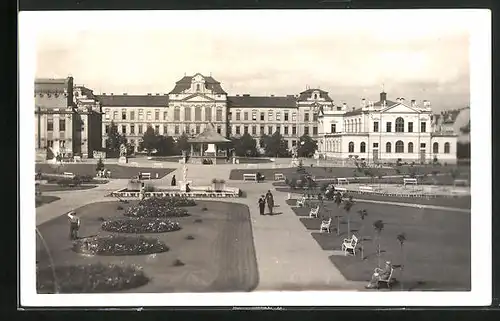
[[422, 55]]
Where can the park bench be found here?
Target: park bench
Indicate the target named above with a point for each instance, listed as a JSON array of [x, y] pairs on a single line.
[[325, 225], [301, 202], [463, 182], [68, 174], [365, 188], [157, 165], [145, 175], [342, 181], [135, 164], [341, 190], [350, 245], [77, 159], [314, 212], [409, 181], [279, 177], [387, 281], [252, 177]]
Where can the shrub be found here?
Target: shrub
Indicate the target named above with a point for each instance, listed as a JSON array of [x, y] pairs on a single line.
[[324, 186], [149, 188], [68, 182], [189, 237], [84, 178], [100, 165], [293, 183], [119, 207], [170, 201], [101, 219], [140, 225], [204, 208], [178, 263], [119, 245], [90, 278], [155, 211], [198, 220]]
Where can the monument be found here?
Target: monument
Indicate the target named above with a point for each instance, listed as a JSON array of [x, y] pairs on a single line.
[[295, 159], [123, 154]]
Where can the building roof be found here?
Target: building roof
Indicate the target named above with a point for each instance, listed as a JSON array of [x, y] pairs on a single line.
[[209, 135], [133, 100], [388, 103], [262, 101], [307, 94], [185, 83], [46, 85], [355, 112]]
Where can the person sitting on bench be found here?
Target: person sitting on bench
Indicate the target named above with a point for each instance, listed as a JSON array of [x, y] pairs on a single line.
[[260, 177], [380, 274]]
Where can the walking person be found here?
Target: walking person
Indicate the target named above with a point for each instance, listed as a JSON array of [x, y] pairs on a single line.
[[142, 192], [174, 181], [74, 225], [270, 202], [262, 204]]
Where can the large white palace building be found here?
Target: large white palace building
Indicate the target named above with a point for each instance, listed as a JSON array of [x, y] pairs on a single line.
[[384, 130]]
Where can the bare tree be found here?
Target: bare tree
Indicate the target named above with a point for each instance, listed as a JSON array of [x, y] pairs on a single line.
[[378, 226], [362, 214], [402, 238]]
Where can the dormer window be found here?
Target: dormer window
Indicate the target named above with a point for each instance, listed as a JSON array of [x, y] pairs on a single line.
[[315, 96], [198, 88]]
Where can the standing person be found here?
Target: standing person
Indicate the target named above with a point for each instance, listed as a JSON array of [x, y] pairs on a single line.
[[262, 204], [142, 193], [74, 225], [270, 202], [174, 181]]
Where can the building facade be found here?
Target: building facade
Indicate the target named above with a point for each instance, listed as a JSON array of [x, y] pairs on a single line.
[[67, 119], [385, 131]]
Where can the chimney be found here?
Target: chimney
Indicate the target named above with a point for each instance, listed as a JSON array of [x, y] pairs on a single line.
[[104, 94], [344, 105], [246, 95], [402, 100], [157, 94], [111, 94], [237, 95], [272, 95], [397, 100], [149, 94], [383, 96], [413, 104], [353, 108], [124, 94], [363, 103]]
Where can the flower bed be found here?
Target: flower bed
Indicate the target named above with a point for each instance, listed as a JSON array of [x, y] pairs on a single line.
[[140, 225], [156, 211], [172, 201], [119, 245], [90, 278]]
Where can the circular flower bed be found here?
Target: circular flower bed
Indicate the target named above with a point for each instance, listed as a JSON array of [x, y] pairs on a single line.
[[171, 201], [155, 211], [90, 278], [119, 245], [140, 225]]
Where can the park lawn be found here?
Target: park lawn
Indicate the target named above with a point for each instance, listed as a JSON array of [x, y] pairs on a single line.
[[220, 258], [117, 171], [45, 199], [436, 253], [57, 188], [334, 172]]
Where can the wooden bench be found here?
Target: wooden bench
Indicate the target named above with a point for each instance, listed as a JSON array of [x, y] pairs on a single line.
[[387, 281], [350, 245], [252, 177], [68, 174], [157, 165], [342, 181], [279, 177], [301, 202], [146, 175], [325, 226], [463, 182], [409, 181], [365, 188], [314, 212], [341, 189], [135, 164]]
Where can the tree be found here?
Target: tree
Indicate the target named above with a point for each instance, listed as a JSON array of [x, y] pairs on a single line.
[[378, 225], [114, 141], [362, 214], [347, 208], [149, 140], [307, 146], [245, 146], [182, 143], [338, 201], [401, 238], [165, 146], [275, 145]]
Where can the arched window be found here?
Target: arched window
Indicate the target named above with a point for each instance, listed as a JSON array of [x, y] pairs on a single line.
[[446, 148], [435, 148], [410, 147], [315, 96], [351, 147], [197, 113], [218, 116], [208, 114], [187, 113], [198, 88], [400, 125], [362, 147], [400, 147], [388, 147]]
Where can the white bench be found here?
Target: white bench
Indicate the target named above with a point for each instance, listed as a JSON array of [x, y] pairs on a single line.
[[279, 177], [365, 188], [342, 181], [68, 174], [325, 226], [409, 181], [387, 280], [146, 175], [157, 165], [77, 159], [350, 244], [301, 202], [341, 189], [463, 182], [314, 212], [252, 177], [135, 164]]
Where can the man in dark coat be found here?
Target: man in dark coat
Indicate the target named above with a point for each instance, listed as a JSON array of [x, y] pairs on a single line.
[[270, 202], [174, 181], [262, 205]]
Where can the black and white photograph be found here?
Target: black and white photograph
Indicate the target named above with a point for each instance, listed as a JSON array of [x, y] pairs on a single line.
[[255, 158]]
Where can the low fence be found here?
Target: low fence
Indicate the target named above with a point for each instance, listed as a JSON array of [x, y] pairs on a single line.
[[199, 193]]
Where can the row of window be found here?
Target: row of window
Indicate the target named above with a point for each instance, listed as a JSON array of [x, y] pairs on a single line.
[[177, 114], [271, 114], [270, 130], [399, 147], [352, 126], [50, 125], [142, 128]]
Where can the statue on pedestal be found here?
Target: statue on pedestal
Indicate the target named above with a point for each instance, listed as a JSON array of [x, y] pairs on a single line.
[[123, 154]]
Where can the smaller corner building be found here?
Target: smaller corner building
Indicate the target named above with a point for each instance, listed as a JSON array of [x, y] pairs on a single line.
[[380, 131], [67, 119]]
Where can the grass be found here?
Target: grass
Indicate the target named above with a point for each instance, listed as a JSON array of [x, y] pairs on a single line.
[[330, 172], [214, 260], [45, 199], [58, 188], [436, 252], [117, 171]]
